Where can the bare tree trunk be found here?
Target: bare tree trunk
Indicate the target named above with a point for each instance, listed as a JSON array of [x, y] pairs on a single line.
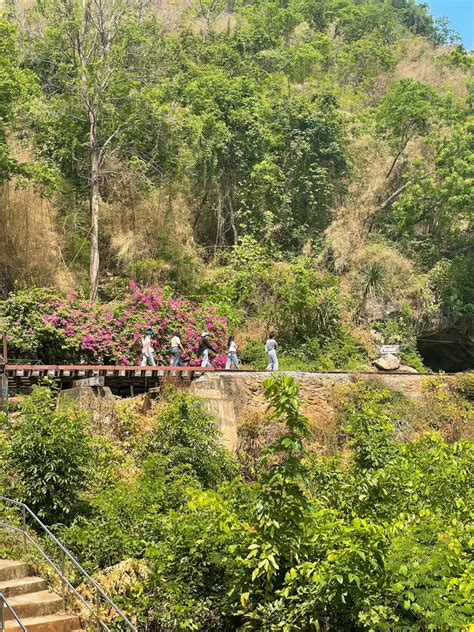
[[232, 218], [94, 205], [398, 156]]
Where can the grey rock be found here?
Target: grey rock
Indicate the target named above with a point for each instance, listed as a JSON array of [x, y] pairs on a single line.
[[403, 368], [387, 362]]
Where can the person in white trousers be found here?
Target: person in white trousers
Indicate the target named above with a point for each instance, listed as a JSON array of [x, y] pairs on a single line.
[[203, 350], [271, 347], [148, 354], [232, 354]]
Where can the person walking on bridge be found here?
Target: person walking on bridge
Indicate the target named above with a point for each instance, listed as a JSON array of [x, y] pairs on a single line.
[[232, 354], [148, 354], [271, 347], [203, 350], [176, 349]]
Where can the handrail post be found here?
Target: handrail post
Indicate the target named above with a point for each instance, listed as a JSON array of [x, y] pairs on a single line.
[[97, 605], [6, 605], [23, 522], [63, 576]]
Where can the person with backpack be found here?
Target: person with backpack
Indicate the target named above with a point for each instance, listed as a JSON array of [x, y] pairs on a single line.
[[271, 347], [176, 349], [232, 354], [203, 349], [148, 354]]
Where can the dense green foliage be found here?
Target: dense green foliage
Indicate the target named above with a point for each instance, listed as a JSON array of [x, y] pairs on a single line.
[[50, 456], [374, 535], [187, 435]]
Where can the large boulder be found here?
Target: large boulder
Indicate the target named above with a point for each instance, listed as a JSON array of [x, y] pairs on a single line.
[[387, 362], [403, 368]]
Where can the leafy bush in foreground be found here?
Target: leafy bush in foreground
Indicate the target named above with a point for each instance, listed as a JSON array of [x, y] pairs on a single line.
[[188, 435], [51, 455], [377, 536]]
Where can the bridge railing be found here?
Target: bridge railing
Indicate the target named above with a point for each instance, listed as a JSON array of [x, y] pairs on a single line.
[[101, 599]]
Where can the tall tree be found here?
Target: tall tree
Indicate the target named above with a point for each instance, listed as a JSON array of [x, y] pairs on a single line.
[[13, 86], [405, 112], [210, 11], [91, 57]]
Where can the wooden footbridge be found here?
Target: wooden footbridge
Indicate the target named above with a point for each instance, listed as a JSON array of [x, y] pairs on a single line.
[[122, 380], [16, 376]]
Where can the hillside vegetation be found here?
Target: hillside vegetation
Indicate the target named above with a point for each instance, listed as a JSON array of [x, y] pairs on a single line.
[[371, 530], [302, 166], [299, 165]]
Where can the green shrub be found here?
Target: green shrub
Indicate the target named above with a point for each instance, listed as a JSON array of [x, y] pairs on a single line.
[[303, 304], [253, 354], [189, 436], [463, 383], [125, 518], [341, 353], [369, 427], [196, 562], [51, 454]]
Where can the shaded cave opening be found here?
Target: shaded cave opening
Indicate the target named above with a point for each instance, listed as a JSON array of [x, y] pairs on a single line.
[[451, 350]]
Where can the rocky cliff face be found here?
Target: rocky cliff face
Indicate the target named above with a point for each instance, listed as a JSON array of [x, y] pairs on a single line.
[[231, 396]]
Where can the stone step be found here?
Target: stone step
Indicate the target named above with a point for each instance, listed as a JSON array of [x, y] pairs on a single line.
[[49, 623], [14, 587], [37, 604], [11, 569]]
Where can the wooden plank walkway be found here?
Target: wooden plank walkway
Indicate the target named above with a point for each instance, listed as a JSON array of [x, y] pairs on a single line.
[[120, 378], [99, 369]]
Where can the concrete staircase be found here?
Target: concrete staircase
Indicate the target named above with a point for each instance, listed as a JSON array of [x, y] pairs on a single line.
[[39, 609]]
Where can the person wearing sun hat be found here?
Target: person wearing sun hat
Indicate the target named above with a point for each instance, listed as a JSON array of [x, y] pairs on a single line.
[[204, 348], [148, 354]]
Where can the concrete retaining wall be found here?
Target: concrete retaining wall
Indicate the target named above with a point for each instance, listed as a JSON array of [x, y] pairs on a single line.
[[230, 395]]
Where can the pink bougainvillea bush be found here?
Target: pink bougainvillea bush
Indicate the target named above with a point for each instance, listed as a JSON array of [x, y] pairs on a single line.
[[53, 328]]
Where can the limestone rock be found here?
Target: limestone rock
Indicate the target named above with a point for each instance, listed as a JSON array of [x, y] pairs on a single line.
[[403, 368], [388, 362], [85, 396]]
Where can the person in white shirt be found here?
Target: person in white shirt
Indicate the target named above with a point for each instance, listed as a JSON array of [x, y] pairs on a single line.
[[232, 354], [176, 349], [270, 348], [147, 349]]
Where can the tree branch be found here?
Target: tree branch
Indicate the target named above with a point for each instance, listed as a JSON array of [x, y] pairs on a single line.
[[391, 199]]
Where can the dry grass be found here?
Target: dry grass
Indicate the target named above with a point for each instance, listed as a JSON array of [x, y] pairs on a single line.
[[30, 247], [422, 62], [371, 158], [349, 229], [154, 226]]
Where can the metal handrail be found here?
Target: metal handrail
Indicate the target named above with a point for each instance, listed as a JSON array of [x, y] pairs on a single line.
[[5, 603], [61, 572]]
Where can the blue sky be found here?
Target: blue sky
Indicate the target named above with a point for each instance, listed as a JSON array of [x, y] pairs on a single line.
[[461, 17]]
